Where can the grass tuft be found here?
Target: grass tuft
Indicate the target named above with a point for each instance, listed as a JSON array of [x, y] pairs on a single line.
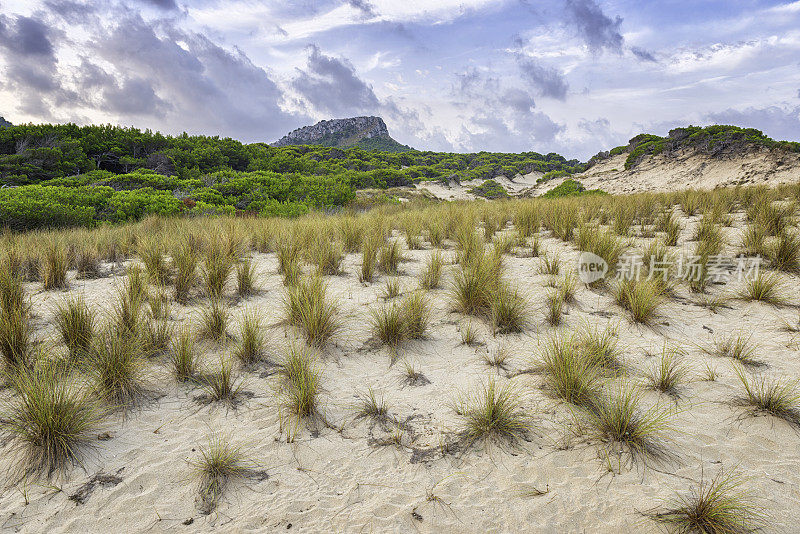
[[50, 423], [619, 419], [309, 308], [640, 297], [302, 378], [569, 373], [252, 343], [716, 506], [183, 355], [774, 396], [494, 414], [214, 320], [764, 287], [668, 373], [219, 464]]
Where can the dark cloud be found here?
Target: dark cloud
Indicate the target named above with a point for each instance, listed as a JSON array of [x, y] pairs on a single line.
[[546, 81], [367, 9], [332, 86], [26, 36], [209, 89], [161, 4], [781, 123], [134, 97], [597, 29], [643, 54], [519, 101], [30, 63], [473, 83]]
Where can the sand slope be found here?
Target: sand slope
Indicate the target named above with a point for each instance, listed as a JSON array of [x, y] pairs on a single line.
[[352, 480], [687, 171]]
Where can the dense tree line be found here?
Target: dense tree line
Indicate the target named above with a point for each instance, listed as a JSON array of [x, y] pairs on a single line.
[[60, 175]]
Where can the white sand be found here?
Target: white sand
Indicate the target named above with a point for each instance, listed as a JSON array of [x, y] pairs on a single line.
[[345, 482]]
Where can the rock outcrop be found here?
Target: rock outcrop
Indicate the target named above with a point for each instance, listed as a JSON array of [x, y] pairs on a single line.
[[366, 132]]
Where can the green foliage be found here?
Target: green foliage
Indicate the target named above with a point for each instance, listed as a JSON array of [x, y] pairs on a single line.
[[489, 189], [69, 175], [712, 140], [571, 188]]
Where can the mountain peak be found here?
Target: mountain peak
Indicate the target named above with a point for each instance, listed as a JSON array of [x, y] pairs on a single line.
[[364, 132]]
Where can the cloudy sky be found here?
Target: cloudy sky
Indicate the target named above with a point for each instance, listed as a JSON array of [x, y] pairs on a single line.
[[569, 76]]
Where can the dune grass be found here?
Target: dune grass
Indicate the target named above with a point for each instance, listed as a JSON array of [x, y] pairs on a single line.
[[369, 258], [416, 312], [764, 287], [214, 320], [185, 261], [715, 506], [217, 266], [388, 324], [301, 385], [474, 284], [153, 256], [183, 355], [600, 347], [738, 346], [219, 464], [550, 264], [117, 368], [641, 298], [494, 413], [309, 308], [390, 254], [391, 289], [617, 418], [326, 255], [15, 336], [431, 275], [252, 343], [569, 373], [373, 407], [785, 252], [469, 334], [56, 264], [778, 397], [508, 309], [245, 278], [51, 423], [222, 385], [554, 307], [668, 373]]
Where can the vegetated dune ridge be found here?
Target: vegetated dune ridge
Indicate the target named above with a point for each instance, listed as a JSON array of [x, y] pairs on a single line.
[[660, 173], [664, 173], [412, 474]]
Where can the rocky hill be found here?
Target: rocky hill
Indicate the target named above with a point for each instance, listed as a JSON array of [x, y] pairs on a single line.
[[4, 123], [364, 132]]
